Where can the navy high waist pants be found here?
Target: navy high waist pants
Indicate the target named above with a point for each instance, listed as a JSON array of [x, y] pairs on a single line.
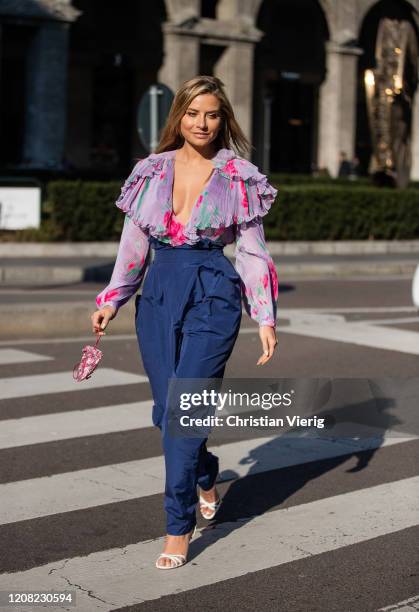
[[187, 320]]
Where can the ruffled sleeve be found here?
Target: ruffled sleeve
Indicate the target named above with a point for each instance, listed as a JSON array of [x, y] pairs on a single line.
[[236, 193], [129, 269], [135, 189], [247, 194], [253, 261], [253, 195], [258, 273]]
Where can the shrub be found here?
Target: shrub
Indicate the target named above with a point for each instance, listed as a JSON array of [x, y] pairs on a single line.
[[86, 211], [338, 213]]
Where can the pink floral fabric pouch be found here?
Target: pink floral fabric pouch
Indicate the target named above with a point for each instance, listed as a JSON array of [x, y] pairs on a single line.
[[90, 358]]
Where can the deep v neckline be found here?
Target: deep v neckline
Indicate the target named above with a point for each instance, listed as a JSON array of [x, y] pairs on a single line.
[[206, 185]]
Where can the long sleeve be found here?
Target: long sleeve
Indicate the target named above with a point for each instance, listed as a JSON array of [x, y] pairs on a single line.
[[130, 266], [257, 271]]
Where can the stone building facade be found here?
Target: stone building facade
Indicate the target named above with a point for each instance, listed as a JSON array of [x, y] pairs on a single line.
[[72, 73]]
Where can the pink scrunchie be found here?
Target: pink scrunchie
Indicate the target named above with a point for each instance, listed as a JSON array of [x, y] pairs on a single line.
[[88, 363]]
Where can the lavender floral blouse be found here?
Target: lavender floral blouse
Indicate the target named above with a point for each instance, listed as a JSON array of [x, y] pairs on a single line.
[[229, 209]]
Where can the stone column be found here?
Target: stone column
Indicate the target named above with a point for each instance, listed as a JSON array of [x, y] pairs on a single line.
[[235, 69], [414, 174], [337, 106], [46, 96], [181, 57]]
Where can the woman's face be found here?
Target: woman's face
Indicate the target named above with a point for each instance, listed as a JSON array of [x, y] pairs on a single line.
[[201, 122]]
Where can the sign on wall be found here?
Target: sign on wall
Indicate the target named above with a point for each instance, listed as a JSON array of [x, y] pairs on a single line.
[[20, 207]]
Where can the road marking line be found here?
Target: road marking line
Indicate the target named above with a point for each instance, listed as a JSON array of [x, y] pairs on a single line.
[[400, 320], [361, 334], [408, 605], [121, 577], [45, 428], [76, 490], [58, 382], [356, 309], [282, 313], [10, 355]]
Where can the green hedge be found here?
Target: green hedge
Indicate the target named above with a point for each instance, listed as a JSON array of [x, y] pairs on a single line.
[[85, 211], [75, 211], [338, 213]]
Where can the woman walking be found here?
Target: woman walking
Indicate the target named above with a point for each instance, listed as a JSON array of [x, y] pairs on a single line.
[[187, 201]]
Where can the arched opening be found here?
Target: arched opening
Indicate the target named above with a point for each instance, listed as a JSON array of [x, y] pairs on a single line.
[[400, 122], [15, 47], [289, 68], [115, 56]]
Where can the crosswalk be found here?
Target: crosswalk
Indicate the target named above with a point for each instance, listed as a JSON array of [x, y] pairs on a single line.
[[9, 356], [300, 510], [133, 479], [283, 536], [59, 382], [75, 424]]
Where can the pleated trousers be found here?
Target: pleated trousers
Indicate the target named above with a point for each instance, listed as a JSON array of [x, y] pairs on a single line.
[[187, 321]]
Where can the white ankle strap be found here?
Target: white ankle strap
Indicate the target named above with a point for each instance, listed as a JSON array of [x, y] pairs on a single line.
[[210, 505]]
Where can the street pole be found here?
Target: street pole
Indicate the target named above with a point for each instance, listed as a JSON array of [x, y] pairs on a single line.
[[154, 116], [267, 112]]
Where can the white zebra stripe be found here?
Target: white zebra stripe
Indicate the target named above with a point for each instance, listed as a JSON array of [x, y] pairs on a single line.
[[10, 356], [58, 382], [75, 424], [76, 490], [407, 605], [359, 333], [125, 576]]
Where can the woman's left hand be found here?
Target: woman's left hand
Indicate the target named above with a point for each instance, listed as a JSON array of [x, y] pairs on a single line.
[[267, 336]]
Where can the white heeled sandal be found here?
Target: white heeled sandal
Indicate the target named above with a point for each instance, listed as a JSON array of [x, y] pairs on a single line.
[[176, 560], [211, 506]]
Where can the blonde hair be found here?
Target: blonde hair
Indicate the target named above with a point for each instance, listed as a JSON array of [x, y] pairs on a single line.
[[230, 134]]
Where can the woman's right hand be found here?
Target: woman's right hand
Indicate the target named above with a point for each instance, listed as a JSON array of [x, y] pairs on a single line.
[[100, 319]]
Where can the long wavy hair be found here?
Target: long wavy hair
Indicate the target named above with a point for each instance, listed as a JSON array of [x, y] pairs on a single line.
[[230, 135]]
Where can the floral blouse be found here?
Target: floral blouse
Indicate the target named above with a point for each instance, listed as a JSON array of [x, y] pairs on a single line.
[[229, 209]]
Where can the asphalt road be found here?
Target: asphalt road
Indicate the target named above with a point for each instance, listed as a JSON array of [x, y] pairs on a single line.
[[307, 522]]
